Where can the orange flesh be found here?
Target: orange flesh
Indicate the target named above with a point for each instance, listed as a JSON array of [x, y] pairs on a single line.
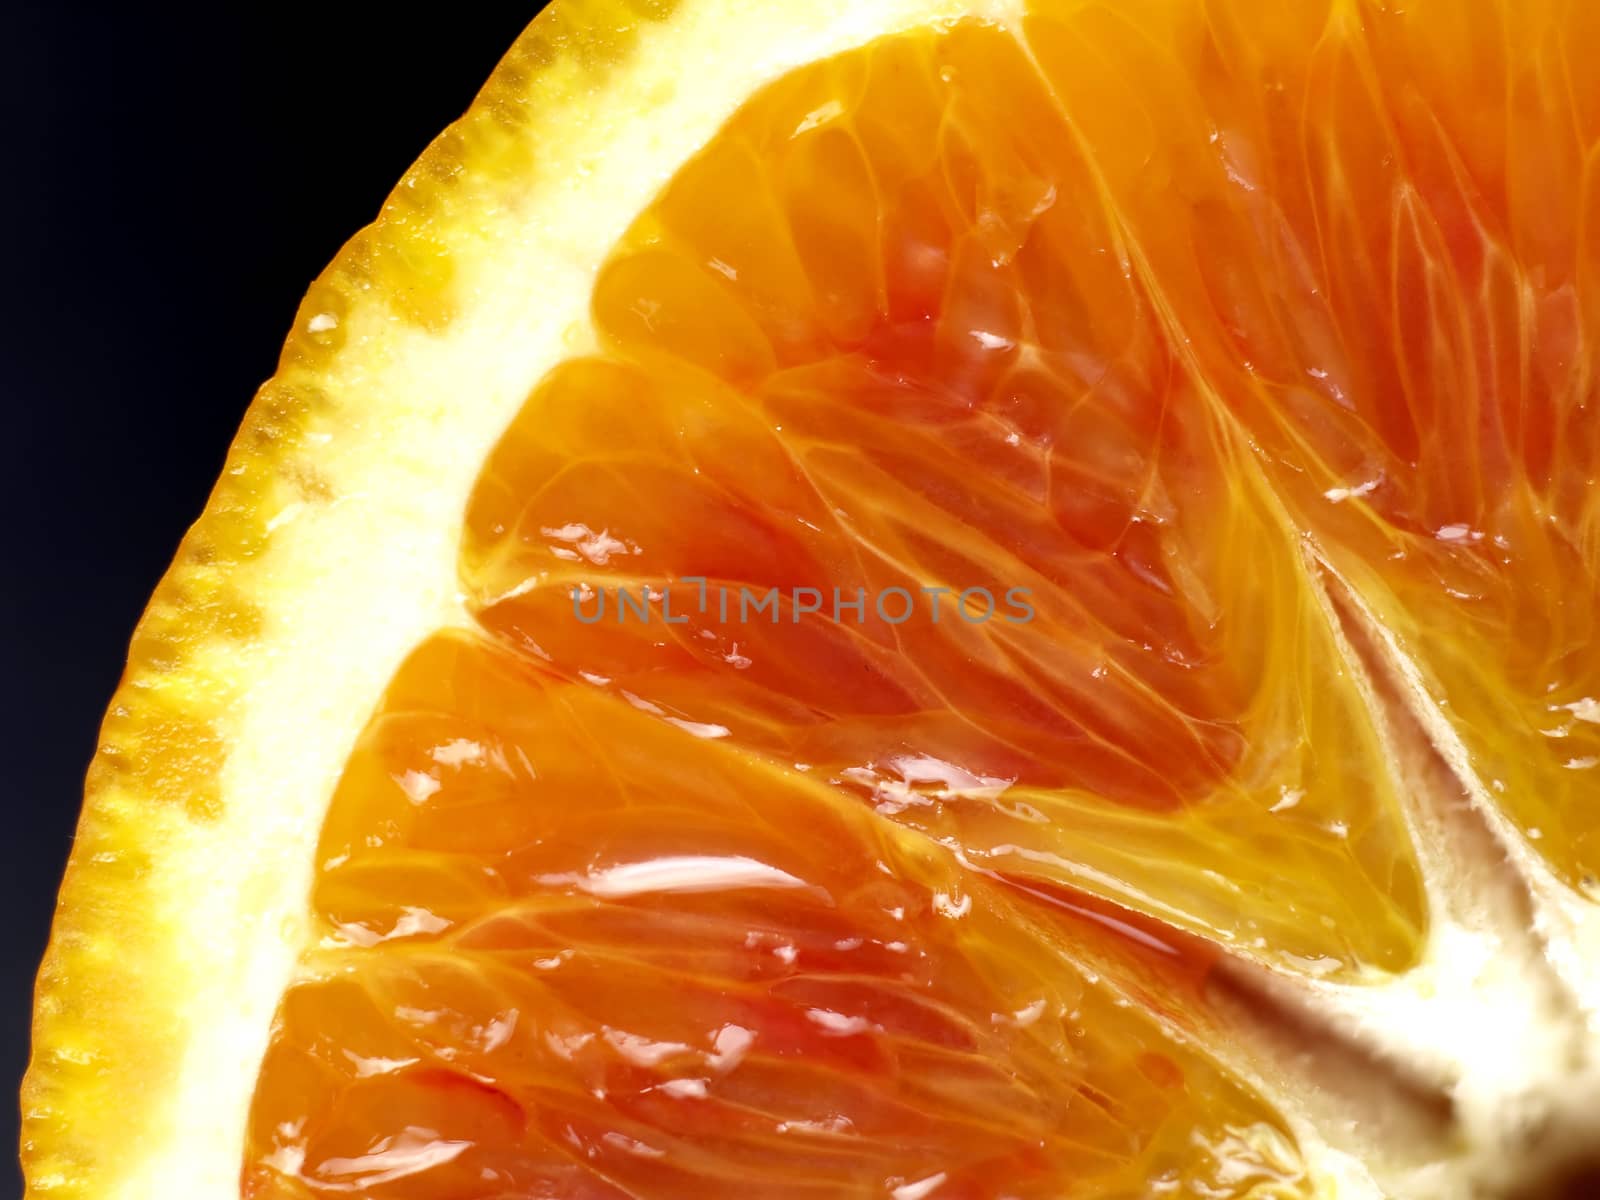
[[1125, 322], [668, 970]]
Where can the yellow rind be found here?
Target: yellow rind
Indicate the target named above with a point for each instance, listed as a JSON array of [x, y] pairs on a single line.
[[328, 550]]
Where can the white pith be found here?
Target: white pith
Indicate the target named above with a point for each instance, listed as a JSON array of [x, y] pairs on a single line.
[[1503, 1014]]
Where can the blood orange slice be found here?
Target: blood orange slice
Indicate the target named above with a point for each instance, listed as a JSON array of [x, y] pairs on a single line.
[[957, 602]]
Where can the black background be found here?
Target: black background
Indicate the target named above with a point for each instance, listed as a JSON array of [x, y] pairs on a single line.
[[171, 182]]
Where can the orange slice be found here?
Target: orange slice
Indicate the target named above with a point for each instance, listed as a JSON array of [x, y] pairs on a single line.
[[907, 599]]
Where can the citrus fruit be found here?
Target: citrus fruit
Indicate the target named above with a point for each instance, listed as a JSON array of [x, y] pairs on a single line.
[[902, 599]]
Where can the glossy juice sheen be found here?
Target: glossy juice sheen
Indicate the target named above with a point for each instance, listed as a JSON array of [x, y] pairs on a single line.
[[1139, 314]]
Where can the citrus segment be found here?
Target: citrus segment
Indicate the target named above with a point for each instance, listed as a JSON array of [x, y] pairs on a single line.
[[568, 949], [1390, 279]]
